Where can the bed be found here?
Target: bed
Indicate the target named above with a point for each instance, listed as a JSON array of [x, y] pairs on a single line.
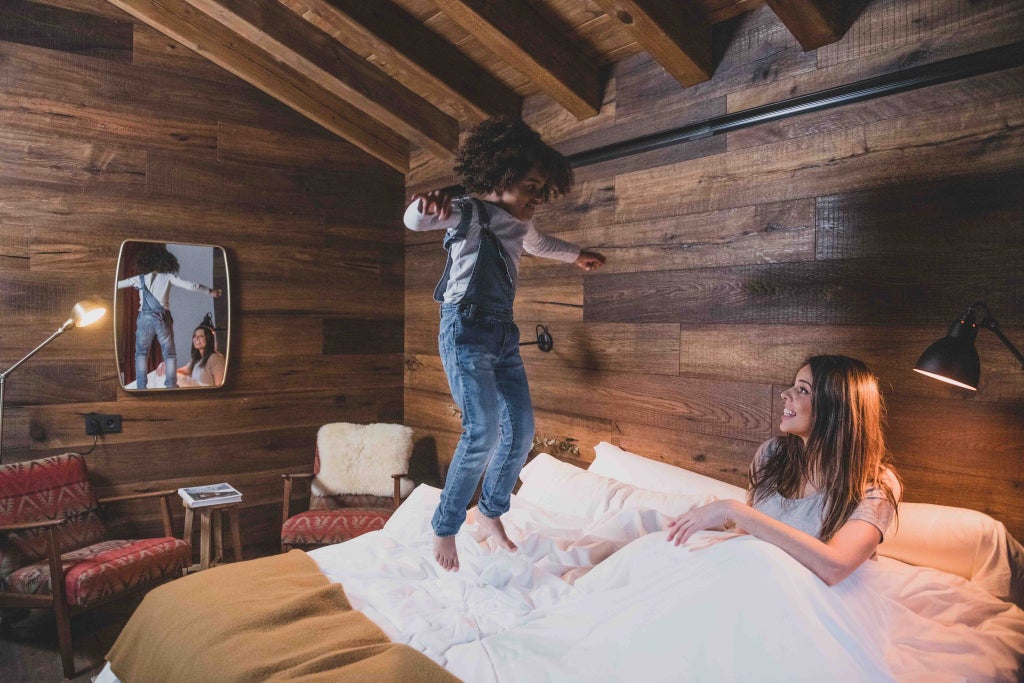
[[595, 593]]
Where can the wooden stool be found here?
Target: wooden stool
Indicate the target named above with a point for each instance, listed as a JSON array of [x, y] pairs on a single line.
[[211, 545]]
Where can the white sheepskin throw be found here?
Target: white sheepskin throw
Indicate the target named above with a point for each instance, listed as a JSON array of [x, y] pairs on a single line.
[[360, 459]]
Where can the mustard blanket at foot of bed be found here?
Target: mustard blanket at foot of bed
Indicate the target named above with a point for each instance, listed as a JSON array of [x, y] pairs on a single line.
[[274, 618]]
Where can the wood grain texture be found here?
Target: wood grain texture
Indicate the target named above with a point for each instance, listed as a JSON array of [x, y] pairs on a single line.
[[167, 147], [54, 28], [677, 36], [532, 45], [881, 290], [317, 56], [185, 24], [861, 230], [397, 42], [813, 23]]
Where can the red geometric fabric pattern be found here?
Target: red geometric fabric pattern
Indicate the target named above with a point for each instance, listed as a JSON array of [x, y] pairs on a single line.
[[107, 568], [50, 488], [319, 527]]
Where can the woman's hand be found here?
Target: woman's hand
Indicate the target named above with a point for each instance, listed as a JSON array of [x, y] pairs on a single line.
[[714, 515], [215, 293], [160, 368], [435, 202], [589, 260]]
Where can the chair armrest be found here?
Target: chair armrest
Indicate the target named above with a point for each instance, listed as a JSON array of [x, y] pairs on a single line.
[[397, 497], [165, 507], [285, 502], [22, 526], [135, 496]]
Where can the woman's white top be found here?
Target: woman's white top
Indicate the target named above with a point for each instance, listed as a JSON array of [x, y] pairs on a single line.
[[807, 514]]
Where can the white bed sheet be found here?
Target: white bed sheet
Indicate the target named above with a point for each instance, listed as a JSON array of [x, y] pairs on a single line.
[[612, 601], [652, 611]]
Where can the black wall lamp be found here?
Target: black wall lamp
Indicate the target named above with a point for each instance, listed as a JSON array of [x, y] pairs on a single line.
[[953, 358], [544, 341]]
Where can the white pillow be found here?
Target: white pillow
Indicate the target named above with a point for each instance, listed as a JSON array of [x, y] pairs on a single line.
[[630, 468], [560, 487], [964, 542]]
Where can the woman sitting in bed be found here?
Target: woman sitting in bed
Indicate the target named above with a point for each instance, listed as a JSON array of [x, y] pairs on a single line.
[[822, 492]]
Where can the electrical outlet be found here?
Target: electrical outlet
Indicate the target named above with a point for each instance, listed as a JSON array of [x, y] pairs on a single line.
[[96, 423]]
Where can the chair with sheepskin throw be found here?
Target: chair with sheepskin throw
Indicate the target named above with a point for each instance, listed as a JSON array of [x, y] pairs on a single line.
[[50, 527], [349, 489]]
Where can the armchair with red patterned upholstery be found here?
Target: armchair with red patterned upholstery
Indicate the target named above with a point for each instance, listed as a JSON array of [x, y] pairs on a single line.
[[350, 494], [50, 525]]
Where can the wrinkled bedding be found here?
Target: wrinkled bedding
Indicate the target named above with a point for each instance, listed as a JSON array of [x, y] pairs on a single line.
[[610, 600]]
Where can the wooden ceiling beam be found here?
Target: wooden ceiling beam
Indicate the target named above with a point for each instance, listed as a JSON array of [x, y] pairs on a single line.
[[399, 39], [676, 34], [316, 55], [198, 32], [812, 22], [516, 32]]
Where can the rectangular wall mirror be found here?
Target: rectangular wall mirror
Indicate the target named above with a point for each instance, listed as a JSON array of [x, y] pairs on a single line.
[[172, 315]]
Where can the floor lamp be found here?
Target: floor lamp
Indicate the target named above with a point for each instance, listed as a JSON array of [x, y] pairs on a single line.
[[84, 313]]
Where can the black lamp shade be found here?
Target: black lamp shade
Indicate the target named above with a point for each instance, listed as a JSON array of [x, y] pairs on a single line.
[[953, 359]]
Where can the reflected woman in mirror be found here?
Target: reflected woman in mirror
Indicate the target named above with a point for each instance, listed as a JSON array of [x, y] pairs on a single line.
[[206, 369], [157, 268]]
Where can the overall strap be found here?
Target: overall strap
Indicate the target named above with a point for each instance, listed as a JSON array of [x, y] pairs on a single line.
[[460, 231], [149, 301]]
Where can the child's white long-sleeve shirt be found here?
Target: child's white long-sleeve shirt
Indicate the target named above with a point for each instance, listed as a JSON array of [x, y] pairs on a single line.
[[159, 285], [516, 236]]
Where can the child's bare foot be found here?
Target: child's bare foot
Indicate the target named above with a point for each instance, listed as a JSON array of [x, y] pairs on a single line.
[[445, 553], [492, 526]]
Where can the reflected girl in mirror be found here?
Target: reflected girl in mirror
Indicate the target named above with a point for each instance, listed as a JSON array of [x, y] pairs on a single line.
[[157, 268]]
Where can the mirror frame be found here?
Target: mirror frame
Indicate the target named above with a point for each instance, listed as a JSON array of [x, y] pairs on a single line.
[[117, 317]]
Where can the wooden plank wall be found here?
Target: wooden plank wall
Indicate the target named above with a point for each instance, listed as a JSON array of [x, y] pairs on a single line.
[[863, 230], [111, 131]]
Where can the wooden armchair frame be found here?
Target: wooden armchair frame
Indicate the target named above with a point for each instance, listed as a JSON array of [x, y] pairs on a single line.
[[57, 600]]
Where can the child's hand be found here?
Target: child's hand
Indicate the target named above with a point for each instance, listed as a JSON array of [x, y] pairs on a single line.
[[435, 202], [589, 260]]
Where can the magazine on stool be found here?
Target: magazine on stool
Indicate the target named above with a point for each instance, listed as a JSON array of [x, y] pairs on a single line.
[[214, 494]]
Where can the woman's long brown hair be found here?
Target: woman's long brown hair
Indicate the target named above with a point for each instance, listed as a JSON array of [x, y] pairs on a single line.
[[845, 453]]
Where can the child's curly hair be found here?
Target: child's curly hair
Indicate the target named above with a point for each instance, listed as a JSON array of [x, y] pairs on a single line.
[[499, 152], [154, 258]]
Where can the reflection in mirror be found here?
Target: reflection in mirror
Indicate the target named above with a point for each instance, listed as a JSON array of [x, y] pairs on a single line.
[[171, 315]]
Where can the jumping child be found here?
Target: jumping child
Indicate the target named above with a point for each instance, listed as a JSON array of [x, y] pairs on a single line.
[[509, 171]]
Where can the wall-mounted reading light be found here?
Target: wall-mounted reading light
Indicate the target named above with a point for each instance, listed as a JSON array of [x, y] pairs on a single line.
[[953, 358], [84, 313], [544, 341]]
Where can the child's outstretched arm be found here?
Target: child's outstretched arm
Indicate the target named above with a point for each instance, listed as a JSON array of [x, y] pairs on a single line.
[[589, 260], [429, 211], [435, 202]]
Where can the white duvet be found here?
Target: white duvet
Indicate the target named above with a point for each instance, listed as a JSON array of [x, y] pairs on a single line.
[[739, 609], [612, 601]]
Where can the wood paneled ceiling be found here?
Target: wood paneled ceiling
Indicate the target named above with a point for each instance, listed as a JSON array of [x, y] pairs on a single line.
[[388, 75]]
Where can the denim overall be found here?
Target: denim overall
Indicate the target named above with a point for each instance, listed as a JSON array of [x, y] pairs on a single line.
[[479, 346], [154, 321]]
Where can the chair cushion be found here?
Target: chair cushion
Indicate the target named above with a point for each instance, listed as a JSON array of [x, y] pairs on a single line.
[[320, 527], [38, 490], [104, 569]]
